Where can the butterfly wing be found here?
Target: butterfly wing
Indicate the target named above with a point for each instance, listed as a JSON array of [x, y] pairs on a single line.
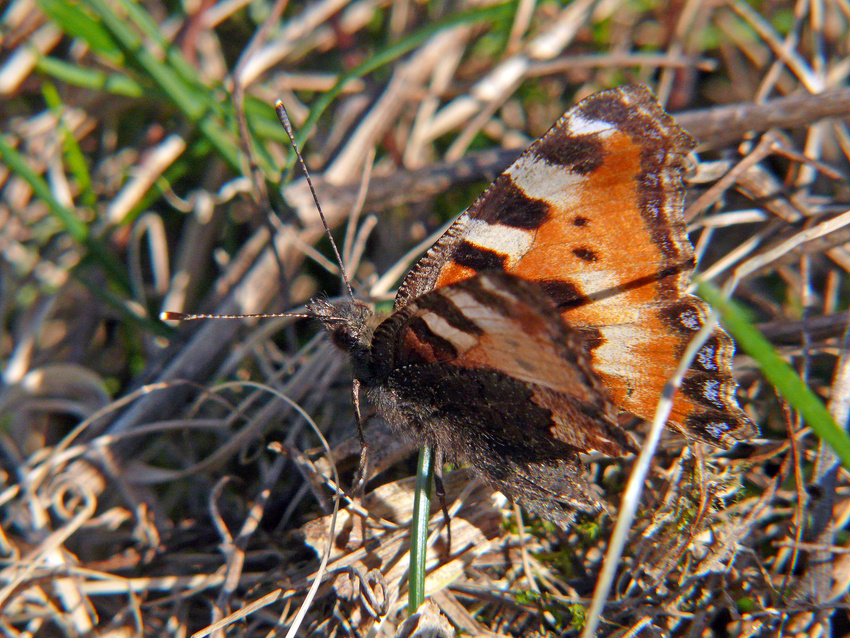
[[592, 212], [486, 370]]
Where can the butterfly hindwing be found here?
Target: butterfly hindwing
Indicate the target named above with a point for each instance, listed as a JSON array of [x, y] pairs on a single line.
[[501, 324], [485, 370]]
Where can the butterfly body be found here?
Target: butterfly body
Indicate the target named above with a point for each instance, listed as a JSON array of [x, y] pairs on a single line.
[[555, 302], [481, 383]]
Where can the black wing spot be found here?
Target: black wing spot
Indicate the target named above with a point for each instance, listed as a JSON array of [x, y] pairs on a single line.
[[564, 294], [478, 259], [586, 254], [506, 204], [580, 154]]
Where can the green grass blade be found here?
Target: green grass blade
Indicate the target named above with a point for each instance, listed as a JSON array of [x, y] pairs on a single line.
[[74, 21], [778, 372], [93, 79], [73, 154], [419, 529], [138, 16], [196, 102]]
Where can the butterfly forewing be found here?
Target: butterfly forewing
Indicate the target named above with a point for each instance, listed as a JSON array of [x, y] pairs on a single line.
[[592, 212]]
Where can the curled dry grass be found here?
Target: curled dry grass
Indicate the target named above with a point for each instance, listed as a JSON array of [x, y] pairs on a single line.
[[146, 493]]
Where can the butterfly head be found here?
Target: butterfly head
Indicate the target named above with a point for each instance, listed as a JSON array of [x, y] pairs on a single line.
[[348, 322]]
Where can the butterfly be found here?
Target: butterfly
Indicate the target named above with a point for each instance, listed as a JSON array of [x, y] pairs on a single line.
[[555, 303]]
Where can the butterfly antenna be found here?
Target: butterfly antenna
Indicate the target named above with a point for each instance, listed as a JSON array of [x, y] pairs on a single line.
[[280, 109], [185, 316]]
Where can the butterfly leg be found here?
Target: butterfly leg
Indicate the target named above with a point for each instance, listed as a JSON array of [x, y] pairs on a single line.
[[363, 471], [440, 490]]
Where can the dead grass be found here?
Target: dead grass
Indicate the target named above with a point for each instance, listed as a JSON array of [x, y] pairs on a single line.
[[147, 489]]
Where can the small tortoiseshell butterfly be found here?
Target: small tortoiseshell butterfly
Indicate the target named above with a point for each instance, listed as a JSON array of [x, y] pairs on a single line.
[[554, 303]]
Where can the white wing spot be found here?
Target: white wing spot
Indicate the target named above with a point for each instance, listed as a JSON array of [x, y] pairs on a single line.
[[710, 390], [505, 240], [554, 184], [462, 341], [578, 125]]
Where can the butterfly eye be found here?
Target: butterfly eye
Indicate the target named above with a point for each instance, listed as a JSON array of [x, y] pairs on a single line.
[[343, 336], [346, 322]]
